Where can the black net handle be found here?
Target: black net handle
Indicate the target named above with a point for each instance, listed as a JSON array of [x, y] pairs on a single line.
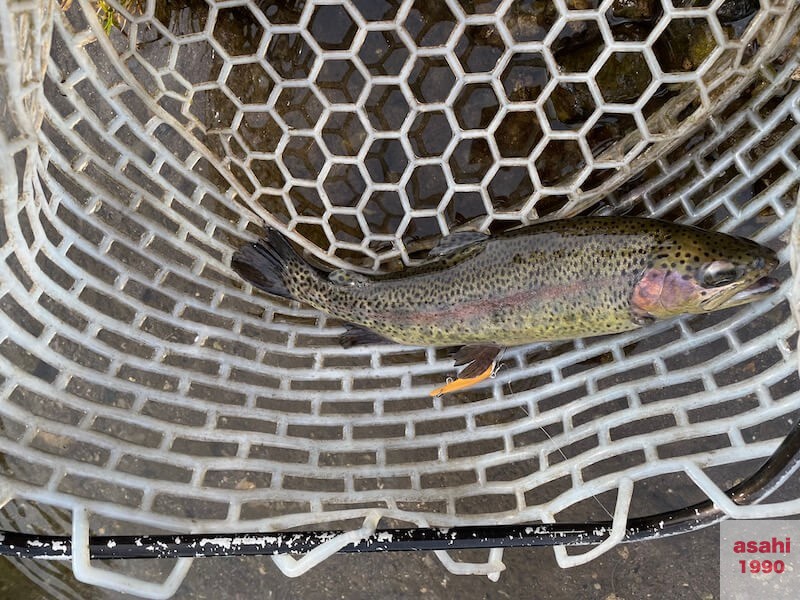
[[773, 473]]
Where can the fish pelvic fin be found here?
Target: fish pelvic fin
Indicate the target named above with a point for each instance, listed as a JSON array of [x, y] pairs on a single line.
[[480, 361], [462, 383], [477, 358], [264, 263]]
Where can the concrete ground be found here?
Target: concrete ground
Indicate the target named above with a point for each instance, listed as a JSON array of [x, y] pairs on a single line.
[[680, 567], [685, 566]]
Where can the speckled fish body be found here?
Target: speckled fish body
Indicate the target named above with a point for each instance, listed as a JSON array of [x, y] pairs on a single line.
[[549, 281]]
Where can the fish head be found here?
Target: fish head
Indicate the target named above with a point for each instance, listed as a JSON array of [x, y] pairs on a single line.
[[698, 271]]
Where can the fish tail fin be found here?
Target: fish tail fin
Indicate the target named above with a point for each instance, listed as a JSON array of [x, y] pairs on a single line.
[[265, 263]]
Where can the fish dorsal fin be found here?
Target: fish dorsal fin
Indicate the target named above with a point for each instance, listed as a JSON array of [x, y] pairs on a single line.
[[456, 241], [347, 279]]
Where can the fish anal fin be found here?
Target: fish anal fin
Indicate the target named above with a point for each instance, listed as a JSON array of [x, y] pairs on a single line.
[[456, 241], [360, 336]]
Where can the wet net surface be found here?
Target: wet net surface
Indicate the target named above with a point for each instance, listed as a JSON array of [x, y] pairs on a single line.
[[141, 379]]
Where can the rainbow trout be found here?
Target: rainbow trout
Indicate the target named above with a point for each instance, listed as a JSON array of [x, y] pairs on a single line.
[[548, 281]]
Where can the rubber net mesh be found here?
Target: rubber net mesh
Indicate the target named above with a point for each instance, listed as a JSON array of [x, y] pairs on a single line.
[[144, 141]]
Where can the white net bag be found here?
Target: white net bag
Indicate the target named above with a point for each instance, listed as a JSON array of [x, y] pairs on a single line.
[[142, 381]]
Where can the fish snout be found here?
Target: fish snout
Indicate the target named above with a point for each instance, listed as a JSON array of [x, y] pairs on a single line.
[[769, 262]]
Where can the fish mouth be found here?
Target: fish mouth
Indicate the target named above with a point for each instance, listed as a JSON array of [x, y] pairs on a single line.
[[755, 291], [760, 287]]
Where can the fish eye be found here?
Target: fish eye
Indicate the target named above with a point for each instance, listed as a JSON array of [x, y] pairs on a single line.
[[719, 273]]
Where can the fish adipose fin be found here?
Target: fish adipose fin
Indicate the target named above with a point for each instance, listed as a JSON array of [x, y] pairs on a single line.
[[348, 279], [263, 263], [456, 241], [360, 336], [480, 360]]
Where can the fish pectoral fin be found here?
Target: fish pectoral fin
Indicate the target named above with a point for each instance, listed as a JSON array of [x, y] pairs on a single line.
[[477, 357], [456, 241], [641, 317], [361, 336]]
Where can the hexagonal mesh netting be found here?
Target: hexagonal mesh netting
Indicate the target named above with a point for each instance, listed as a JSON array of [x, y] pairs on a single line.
[[142, 380]]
